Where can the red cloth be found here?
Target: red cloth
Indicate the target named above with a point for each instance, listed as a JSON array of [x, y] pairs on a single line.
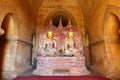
[[60, 78]]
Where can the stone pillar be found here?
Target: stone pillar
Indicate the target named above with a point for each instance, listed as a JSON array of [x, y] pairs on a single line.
[[23, 56]]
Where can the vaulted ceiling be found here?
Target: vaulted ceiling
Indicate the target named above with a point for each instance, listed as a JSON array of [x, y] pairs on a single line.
[[88, 7], [34, 5]]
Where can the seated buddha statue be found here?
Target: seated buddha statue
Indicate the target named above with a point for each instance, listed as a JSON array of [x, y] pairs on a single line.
[[49, 45], [71, 45]]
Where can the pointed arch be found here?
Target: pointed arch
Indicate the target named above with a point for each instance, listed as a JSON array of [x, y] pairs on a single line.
[[60, 13], [111, 27], [8, 43]]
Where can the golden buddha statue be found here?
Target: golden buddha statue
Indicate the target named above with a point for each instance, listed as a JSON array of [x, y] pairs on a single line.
[[71, 45], [49, 45]]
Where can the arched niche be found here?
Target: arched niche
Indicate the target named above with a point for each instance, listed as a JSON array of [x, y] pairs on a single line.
[[63, 18], [8, 44], [112, 45], [112, 26], [60, 13]]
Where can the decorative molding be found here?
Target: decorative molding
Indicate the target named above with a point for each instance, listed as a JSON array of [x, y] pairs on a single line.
[[4, 5], [15, 38], [24, 41], [97, 43]]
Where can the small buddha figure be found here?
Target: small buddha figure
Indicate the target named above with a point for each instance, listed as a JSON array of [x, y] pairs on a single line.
[[49, 45], [71, 45]]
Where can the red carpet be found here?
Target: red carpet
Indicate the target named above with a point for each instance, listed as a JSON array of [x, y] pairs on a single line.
[[60, 78]]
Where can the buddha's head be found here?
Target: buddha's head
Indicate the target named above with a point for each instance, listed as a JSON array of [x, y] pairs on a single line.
[[70, 35], [49, 34]]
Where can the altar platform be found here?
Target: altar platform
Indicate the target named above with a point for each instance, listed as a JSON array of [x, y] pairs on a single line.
[[61, 66]]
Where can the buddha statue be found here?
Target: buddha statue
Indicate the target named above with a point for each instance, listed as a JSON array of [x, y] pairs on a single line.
[[71, 45], [49, 45]]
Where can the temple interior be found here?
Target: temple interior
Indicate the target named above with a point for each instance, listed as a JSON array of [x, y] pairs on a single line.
[[79, 30]]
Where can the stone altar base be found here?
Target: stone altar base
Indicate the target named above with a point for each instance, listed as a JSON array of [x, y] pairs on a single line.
[[61, 66]]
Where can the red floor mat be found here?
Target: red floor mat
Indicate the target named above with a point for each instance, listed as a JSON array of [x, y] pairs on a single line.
[[60, 78]]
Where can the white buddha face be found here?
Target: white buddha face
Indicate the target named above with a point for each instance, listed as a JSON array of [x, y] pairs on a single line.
[[49, 35], [70, 35]]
